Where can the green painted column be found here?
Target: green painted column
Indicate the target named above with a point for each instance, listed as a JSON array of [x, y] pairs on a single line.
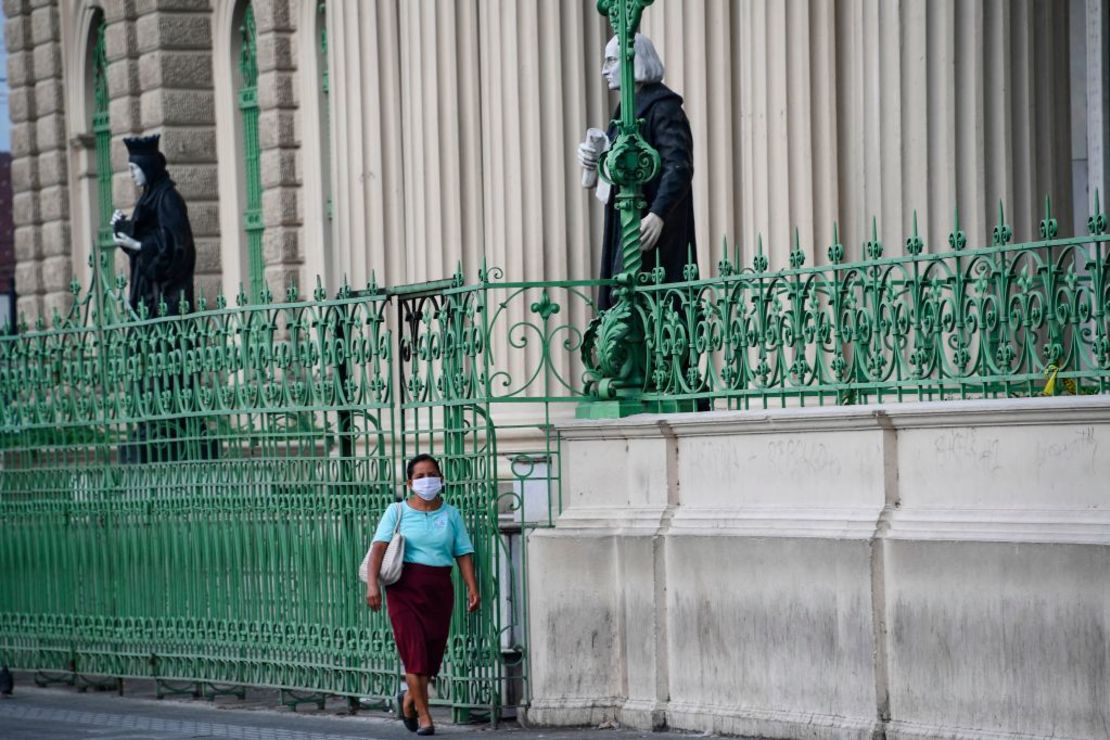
[[252, 168], [102, 136], [614, 346]]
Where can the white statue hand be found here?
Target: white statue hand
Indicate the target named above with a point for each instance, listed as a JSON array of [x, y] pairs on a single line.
[[126, 242], [117, 215], [651, 226], [587, 157]]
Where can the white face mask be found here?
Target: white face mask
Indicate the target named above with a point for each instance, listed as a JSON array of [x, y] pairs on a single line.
[[427, 488]]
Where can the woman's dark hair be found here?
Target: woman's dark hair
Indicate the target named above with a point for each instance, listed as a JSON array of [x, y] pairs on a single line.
[[422, 457]]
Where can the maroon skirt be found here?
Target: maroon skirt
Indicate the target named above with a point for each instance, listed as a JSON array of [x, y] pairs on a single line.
[[419, 606]]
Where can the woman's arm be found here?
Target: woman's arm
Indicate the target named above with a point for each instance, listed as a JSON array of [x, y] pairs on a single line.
[[466, 568], [373, 589]]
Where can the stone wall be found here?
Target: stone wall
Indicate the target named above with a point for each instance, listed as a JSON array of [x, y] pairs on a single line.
[[40, 202], [918, 570], [453, 125]]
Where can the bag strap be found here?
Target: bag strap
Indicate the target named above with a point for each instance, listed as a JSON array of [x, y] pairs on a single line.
[[400, 513]]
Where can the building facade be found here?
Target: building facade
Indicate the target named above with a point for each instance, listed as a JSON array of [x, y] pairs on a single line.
[[396, 141]]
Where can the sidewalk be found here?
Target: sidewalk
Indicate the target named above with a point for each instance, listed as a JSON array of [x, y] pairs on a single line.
[[61, 712]]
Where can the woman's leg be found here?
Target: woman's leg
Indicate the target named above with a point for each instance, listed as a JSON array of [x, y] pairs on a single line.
[[407, 703], [418, 690]]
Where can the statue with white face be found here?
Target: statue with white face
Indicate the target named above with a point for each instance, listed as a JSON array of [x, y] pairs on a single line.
[[667, 223], [123, 240], [157, 238], [611, 66]]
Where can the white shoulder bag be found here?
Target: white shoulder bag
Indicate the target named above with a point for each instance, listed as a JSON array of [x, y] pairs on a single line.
[[394, 557]]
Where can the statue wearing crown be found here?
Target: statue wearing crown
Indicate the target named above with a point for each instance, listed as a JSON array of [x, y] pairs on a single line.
[[157, 237]]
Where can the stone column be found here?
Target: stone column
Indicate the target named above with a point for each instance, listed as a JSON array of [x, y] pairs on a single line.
[[1097, 112], [160, 73], [40, 203], [279, 141]]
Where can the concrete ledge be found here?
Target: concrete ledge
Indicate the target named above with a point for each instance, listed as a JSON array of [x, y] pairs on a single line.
[[918, 570]]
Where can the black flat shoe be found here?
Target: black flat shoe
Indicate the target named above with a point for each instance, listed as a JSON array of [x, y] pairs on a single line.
[[411, 724], [429, 730]]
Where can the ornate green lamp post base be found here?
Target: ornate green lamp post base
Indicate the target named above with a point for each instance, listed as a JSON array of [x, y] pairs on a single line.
[[613, 348], [615, 409]]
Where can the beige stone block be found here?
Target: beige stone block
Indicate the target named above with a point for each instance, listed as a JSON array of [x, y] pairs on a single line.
[[277, 128], [120, 42], [275, 90], [176, 69], [273, 15], [280, 207], [50, 132], [52, 168], [177, 107], [204, 217], [24, 143], [48, 61], [28, 307], [28, 243], [57, 304], [16, 7], [21, 104], [275, 52], [123, 78], [281, 246], [20, 69], [57, 273], [17, 33], [280, 277], [189, 145], [49, 97], [207, 285], [208, 255], [143, 7], [195, 181], [56, 239], [279, 168], [119, 10], [165, 30], [25, 174], [25, 208], [125, 113], [54, 202], [28, 278], [44, 24]]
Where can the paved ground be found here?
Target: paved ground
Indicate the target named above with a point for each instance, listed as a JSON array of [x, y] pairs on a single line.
[[63, 713]]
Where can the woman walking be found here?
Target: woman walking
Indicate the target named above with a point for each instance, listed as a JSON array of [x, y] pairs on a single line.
[[420, 601]]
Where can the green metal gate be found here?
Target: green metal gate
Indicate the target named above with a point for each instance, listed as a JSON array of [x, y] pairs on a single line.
[[187, 497]]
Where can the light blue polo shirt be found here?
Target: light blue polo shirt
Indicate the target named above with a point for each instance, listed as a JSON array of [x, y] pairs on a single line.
[[431, 537]]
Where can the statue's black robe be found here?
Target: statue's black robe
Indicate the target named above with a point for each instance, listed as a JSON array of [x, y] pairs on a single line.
[[669, 195], [163, 268]]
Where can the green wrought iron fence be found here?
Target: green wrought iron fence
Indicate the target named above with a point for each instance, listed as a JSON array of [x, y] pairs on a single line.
[[188, 497], [1002, 320]]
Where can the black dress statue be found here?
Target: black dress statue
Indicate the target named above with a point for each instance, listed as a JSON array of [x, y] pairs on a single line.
[[159, 244], [668, 196], [162, 267]]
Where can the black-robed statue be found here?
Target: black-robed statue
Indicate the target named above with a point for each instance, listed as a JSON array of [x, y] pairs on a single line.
[[667, 221], [157, 238], [159, 243]]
